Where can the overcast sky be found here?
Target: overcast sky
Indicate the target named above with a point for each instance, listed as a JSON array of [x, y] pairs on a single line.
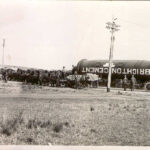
[[52, 34]]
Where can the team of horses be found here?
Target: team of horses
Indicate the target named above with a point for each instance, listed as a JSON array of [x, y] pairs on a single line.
[[54, 78], [41, 77]]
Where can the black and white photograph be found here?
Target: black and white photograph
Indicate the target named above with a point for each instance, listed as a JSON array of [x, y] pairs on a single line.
[[74, 73]]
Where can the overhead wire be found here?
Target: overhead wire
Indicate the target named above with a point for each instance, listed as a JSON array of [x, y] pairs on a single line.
[[131, 22]]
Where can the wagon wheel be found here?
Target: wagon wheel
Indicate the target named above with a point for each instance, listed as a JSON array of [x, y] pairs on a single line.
[[148, 86]]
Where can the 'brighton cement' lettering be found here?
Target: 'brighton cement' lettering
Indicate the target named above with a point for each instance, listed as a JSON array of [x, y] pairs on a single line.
[[116, 70]]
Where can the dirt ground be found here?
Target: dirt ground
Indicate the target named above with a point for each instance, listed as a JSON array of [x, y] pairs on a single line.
[[64, 116]]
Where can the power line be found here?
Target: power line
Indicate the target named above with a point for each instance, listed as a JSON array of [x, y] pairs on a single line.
[[137, 24]]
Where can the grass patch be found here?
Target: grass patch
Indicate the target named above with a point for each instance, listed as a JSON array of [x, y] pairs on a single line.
[[92, 117]]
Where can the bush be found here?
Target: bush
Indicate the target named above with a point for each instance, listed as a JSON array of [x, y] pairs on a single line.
[[30, 140], [10, 126], [34, 123], [57, 127], [66, 124]]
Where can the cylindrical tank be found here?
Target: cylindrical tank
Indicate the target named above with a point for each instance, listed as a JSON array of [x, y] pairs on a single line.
[[138, 68]]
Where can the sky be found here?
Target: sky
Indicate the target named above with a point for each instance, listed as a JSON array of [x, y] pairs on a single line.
[[52, 34]]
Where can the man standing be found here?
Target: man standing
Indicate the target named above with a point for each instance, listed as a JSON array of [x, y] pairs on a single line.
[[64, 73], [4, 75], [132, 83], [125, 82], [73, 69], [58, 79]]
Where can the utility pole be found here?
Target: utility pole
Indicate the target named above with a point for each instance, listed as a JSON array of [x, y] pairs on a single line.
[[3, 53], [113, 28]]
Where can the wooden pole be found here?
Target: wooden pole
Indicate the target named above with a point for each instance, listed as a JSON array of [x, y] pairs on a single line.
[[3, 53], [112, 27]]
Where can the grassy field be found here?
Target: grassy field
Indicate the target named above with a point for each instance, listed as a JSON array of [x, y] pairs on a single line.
[[63, 116]]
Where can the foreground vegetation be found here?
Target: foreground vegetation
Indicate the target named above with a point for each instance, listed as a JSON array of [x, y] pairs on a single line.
[[63, 116]]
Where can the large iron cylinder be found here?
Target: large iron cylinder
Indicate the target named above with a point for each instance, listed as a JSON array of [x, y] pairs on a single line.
[[138, 68]]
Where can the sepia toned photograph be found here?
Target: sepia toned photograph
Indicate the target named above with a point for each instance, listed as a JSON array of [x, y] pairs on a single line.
[[75, 73]]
